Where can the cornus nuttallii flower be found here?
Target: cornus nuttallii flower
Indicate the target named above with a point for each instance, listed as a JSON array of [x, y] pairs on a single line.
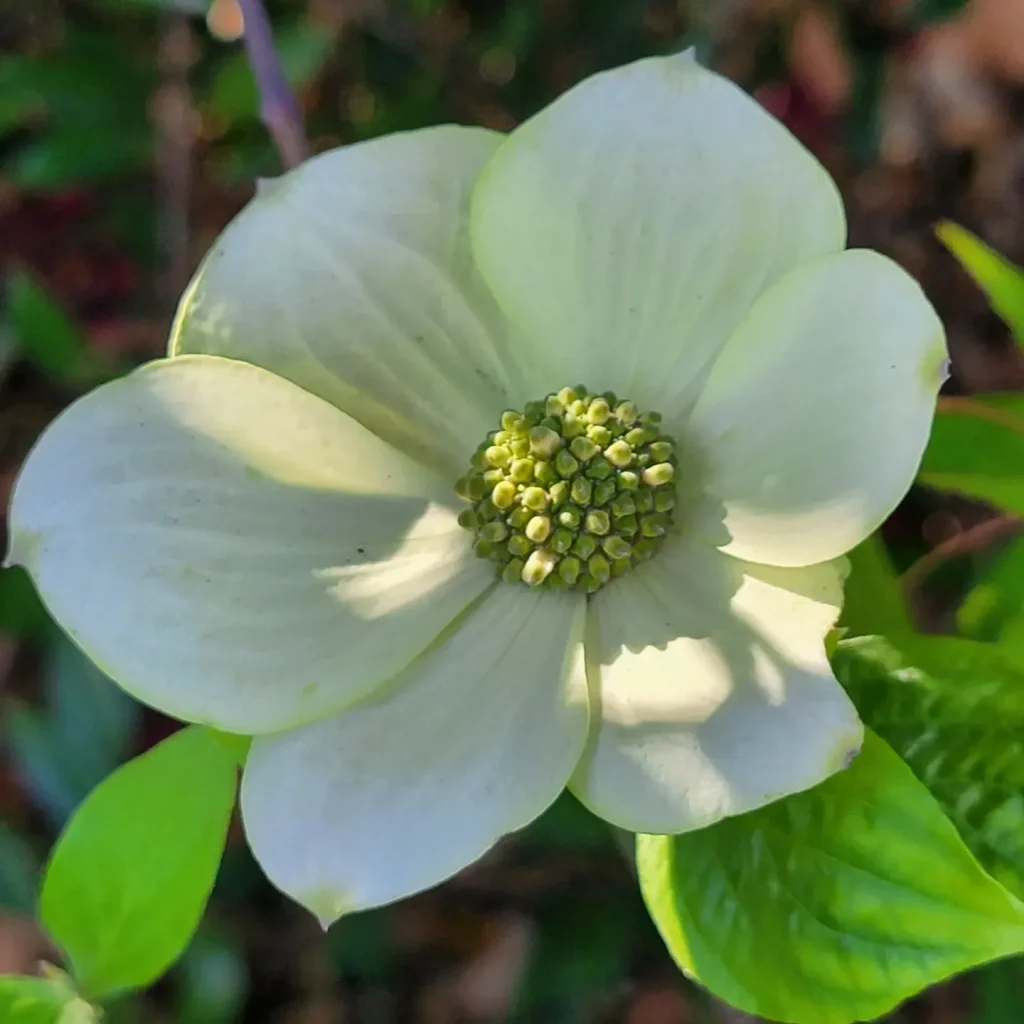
[[484, 466]]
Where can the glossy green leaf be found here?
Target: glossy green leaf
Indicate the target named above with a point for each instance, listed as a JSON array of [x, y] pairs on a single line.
[[874, 601], [830, 906], [977, 449], [1000, 280], [954, 710], [130, 876]]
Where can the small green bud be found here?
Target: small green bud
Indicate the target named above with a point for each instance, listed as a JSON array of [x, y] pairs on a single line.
[[628, 480], [621, 566], [519, 546], [653, 525], [468, 519], [584, 546], [565, 464], [627, 526], [572, 425], [554, 406], [623, 505], [604, 492], [521, 471], [478, 460], [520, 447], [651, 418], [581, 490], [600, 568], [659, 475], [504, 494], [519, 517], [544, 442], [570, 517], [643, 549], [513, 571], [569, 569], [626, 412], [588, 584], [483, 548], [616, 548], [636, 437], [534, 411], [559, 492], [619, 454], [502, 437], [511, 420], [583, 448], [498, 456], [538, 529], [615, 428], [599, 468], [544, 473], [599, 434], [476, 487], [538, 567], [579, 407], [535, 498], [664, 500], [462, 488], [598, 412], [597, 521], [661, 451], [561, 541], [493, 476], [495, 531], [486, 510], [644, 500]]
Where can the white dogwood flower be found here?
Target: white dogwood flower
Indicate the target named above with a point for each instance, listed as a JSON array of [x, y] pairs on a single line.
[[487, 465]]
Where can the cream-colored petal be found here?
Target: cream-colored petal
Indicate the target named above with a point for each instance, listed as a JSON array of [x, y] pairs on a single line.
[[352, 276], [393, 796], [818, 411], [713, 690], [630, 225], [234, 550]]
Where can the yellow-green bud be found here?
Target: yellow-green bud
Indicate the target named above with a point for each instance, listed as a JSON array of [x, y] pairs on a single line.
[[544, 442], [659, 475], [504, 494], [535, 498], [498, 455], [581, 490], [519, 546], [597, 521], [538, 567], [661, 451], [521, 471], [598, 412], [616, 548], [538, 529], [599, 434], [565, 464], [619, 454], [569, 569]]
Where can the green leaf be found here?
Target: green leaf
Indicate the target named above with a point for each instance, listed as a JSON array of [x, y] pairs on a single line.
[[874, 601], [993, 609], [1000, 280], [47, 335], [32, 1000], [130, 876], [19, 872], [928, 12], [832, 905], [977, 449], [954, 710]]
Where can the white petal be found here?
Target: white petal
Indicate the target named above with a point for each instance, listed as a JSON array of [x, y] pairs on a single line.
[[395, 795], [817, 414], [234, 550], [629, 226], [352, 276], [714, 690]]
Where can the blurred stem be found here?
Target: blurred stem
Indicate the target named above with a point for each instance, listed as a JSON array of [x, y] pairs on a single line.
[[279, 108]]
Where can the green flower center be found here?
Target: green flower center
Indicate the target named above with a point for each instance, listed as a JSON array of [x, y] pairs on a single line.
[[570, 493]]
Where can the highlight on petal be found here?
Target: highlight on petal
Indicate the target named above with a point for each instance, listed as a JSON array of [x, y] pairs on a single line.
[[628, 227], [232, 549], [817, 413], [713, 691], [352, 276], [475, 740]]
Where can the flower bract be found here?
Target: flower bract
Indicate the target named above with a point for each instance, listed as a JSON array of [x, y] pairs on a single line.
[[485, 465]]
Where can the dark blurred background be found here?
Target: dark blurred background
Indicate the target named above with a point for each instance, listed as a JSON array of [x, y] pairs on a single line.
[[129, 134]]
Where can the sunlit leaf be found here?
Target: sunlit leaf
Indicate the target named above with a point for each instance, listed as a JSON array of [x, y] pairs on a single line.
[[131, 874], [830, 906]]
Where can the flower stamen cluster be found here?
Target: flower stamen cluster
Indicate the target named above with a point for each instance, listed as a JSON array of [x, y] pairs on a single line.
[[572, 492]]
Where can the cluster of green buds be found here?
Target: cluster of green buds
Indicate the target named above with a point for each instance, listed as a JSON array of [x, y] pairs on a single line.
[[572, 492]]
